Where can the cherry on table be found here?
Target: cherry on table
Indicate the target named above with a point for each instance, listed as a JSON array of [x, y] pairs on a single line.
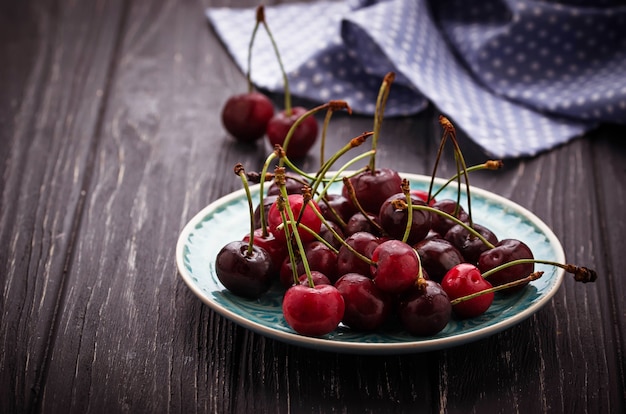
[[303, 137], [245, 116]]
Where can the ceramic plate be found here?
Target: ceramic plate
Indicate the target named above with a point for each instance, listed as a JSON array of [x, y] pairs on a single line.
[[227, 219]]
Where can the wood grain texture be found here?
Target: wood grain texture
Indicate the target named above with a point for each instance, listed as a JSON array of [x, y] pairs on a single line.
[[110, 141]]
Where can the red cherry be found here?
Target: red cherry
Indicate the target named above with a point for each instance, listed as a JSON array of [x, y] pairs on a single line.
[[424, 309], [246, 116], [465, 279], [309, 218], [303, 137], [367, 307], [313, 311], [276, 248], [396, 266], [373, 188], [505, 251]]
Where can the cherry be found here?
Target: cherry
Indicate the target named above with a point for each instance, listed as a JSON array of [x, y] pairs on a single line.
[[313, 311], [505, 251], [372, 188], [334, 205], [442, 224], [319, 257], [393, 216], [363, 243], [425, 309], [245, 116], [245, 272], [438, 256], [395, 266], [318, 278], [326, 233], [465, 279], [360, 222], [307, 217], [367, 306], [303, 137], [468, 244]]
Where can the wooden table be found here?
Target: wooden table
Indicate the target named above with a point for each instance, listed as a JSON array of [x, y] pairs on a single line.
[[111, 140]]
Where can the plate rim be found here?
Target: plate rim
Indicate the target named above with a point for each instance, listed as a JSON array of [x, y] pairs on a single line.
[[420, 344]]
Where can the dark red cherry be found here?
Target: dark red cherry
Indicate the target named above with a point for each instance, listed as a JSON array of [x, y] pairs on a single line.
[[505, 251], [334, 205], [373, 188], [326, 234], [303, 138], [393, 220], [367, 307], [469, 245], [465, 279], [313, 311], [245, 274], [425, 309], [358, 222], [245, 116], [438, 256], [396, 266], [348, 262], [442, 224]]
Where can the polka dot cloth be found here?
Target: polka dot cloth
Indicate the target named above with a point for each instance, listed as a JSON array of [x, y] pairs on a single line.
[[518, 76]]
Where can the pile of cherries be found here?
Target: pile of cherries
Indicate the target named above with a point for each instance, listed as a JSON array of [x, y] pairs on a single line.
[[376, 253]]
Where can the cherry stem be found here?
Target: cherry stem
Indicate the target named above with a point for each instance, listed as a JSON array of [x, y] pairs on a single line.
[[343, 242], [280, 204], [406, 189], [352, 194], [279, 177], [488, 165], [261, 16], [354, 142], [329, 113], [266, 165], [301, 119], [381, 101], [522, 281], [339, 172], [239, 170], [457, 221], [451, 131], [442, 143], [581, 273]]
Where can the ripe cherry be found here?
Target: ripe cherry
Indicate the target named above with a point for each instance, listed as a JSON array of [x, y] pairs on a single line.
[[468, 244], [303, 138], [372, 188], [438, 256], [243, 271], [393, 216], [505, 251], [313, 311], [395, 266], [274, 247], [442, 224], [425, 309], [348, 262], [465, 279], [367, 306], [245, 116]]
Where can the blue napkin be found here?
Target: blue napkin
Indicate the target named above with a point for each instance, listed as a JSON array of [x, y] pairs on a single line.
[[518, 76]]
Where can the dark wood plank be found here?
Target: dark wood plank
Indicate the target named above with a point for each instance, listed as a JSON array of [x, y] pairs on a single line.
[[53, 77]]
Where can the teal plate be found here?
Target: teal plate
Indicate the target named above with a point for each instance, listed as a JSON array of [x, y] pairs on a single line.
[[227, 219]]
